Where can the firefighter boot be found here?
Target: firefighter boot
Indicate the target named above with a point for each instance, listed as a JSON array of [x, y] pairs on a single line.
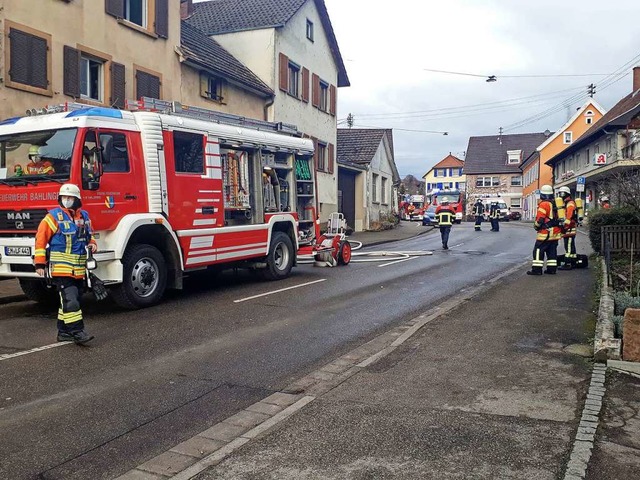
[[535, 271], [550, 270], [81, 337]]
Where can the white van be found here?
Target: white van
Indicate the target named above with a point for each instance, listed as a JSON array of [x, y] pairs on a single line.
[[502, 207]]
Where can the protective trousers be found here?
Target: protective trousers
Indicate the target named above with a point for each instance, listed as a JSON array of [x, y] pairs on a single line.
[[495, 224], [570, 256], [542, 248], [478, 222], [69, 312], [444, 235]]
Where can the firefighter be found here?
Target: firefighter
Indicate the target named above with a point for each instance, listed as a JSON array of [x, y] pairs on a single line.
[[478, 211], [445, 215], [67, 232], [605, 202], [37, 165], [569, 229], [494, 216], [548, 234]]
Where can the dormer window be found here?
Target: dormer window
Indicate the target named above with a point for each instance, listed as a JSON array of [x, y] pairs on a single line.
[[514, 156], [568, 138]]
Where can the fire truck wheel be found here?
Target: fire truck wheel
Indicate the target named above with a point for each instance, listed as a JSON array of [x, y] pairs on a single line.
[[344, 254], [144, 279], [38, 291], [280, 257]]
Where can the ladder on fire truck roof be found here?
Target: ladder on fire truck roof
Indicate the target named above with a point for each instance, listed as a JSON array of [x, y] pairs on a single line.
[[176, 108], [167, 107]]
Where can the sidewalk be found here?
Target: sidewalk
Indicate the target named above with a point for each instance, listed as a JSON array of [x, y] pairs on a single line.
[[483, 391]]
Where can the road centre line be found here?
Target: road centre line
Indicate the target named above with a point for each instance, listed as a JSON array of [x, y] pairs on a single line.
[[7, 356], [278, 291], [395, 261]]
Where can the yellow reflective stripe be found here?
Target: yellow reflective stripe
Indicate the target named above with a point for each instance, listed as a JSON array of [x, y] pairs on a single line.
[[70, 317], [40, 251], [51, 223]]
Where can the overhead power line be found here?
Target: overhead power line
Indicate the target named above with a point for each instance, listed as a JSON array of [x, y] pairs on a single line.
[[548, 75]]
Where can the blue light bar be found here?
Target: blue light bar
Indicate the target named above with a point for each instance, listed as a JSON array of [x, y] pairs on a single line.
[[10, 121], [96, 112]]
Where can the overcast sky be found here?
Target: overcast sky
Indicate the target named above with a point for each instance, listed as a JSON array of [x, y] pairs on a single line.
[[387, 45]]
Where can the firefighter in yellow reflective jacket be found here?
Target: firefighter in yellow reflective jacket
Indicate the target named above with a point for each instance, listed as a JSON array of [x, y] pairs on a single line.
[[569, 229], [445, 214], [66, 230], [478, 211], [549, 233]]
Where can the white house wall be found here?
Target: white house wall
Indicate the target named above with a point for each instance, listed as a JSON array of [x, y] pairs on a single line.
[[381, 166]]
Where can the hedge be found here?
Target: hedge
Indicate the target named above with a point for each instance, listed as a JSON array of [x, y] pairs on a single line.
[[610, 216]]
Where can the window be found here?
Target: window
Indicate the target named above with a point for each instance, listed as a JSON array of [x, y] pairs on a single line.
[[322, 156], [516, 181], [589, 120], [514, 156], [148, 84], [28, 64], [568, 138], [588, 159], [91, 78], [188, 152], [309, 30], [324, 96], [211, 87], [294, 80], [516, 202], [488, 182], [135, 11], [383, 189], [374, 188], [115, 154], [589, 117]]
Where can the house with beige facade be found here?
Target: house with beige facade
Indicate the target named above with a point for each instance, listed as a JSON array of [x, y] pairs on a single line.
[[291, 46], [368, 178], [447, 173], [104, 52]]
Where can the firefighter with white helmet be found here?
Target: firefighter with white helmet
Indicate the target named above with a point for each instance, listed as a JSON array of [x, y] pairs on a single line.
[[569, 229], [548, 234], [445, 214], [67, 235]]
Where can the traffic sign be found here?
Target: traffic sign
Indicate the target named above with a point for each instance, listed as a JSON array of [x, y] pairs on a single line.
[[581, 181], [580, 187]]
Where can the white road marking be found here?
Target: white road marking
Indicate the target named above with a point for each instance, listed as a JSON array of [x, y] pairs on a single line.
[[7, 356], [394, 262], [278, 291]]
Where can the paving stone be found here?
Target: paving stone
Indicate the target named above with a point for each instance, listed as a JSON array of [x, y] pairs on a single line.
[[168, 463], [570, 476], [198, 446], [580, 446], [247, 419], [597, 390], [336, 368], [224, 431], [595, 396], [586, 437], [590, 418], [600, 378], [586, 423], [282, 399], [595, 403], [265, 408], [140, 475], [596, 383], [586, 430], [320, 375]]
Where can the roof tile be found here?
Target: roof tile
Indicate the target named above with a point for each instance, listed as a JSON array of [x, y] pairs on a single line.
[[489, 154]]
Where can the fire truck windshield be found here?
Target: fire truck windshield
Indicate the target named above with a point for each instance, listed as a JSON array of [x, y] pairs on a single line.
[[451, 196], [34, 157]]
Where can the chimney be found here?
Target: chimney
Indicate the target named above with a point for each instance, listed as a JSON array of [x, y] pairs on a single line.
[[636, 79], [186, 9]]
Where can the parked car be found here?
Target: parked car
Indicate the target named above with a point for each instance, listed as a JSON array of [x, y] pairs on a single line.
[[429, 216], [515, 216]]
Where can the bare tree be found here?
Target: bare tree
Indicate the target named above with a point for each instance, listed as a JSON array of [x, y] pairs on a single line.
[[624, 188]]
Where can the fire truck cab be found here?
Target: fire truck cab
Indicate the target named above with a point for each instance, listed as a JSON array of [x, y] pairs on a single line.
[[454, 197], [412, 208], [169, 189]]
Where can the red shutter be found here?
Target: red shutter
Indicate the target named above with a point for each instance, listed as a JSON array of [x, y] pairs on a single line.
[[284, 72], [315, 85], [71, 72], [118, 93], [305, 85], [115, 8], [162, 18], [330, 160], [333, 91]]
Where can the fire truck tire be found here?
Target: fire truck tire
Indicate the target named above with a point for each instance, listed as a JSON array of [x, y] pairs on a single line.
[[38, 291], [280, 257], [144, 278], [344, 253]]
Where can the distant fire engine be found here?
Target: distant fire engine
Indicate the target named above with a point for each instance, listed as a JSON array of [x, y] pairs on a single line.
[[170, 189], [412, 208], [454, 197]]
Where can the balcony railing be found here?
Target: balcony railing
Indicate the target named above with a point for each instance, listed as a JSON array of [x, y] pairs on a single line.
[[632, 151]]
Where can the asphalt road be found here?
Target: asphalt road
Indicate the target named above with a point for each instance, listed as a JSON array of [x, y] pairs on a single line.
[[156, 377]]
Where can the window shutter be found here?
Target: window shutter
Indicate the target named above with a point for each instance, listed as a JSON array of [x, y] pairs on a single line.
[[118, 82], [315, 81], [115, 8], [315, 152], [333, 91], [28, 62], [330, 159], [162, 18], [71, 82], [147, 85], [305, 85], [435, 172], [284, 72]]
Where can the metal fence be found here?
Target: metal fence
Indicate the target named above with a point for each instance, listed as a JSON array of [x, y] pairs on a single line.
[[616, 239]]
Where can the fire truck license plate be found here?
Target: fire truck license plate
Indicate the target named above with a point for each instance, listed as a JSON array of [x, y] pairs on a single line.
[[17, 251]]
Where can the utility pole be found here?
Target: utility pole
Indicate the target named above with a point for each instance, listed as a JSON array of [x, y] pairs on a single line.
[[500, 135], [591, 90], [350, 120]]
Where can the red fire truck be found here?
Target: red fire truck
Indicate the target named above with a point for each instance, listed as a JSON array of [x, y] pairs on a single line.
[[454, 197], [412, 208], [170, 189]]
